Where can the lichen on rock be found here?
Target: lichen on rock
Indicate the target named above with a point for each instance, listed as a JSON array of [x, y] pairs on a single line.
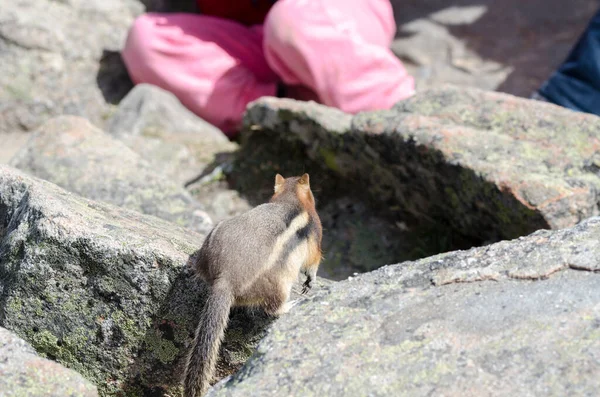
[[103, 290], [24, 373]]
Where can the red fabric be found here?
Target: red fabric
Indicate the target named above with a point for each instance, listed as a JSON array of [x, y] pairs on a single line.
[[247, 12]]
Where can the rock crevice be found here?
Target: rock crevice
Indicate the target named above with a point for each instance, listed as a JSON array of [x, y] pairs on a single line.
[[488, 165]]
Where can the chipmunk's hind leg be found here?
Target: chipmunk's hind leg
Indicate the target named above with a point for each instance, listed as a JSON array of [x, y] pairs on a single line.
[[277, 303]]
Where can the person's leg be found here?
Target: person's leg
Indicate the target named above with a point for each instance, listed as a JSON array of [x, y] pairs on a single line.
[[339, 49], [214, 66], [576, 83]]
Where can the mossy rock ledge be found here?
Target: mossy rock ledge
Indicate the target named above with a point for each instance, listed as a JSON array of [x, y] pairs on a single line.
[[102, 290]]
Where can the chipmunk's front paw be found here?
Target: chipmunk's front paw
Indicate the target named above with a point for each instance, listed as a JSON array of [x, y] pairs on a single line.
[[306, 286]]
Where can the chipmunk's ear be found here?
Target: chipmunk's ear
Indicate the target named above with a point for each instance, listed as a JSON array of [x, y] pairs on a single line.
[[304, 179], [279, 182]]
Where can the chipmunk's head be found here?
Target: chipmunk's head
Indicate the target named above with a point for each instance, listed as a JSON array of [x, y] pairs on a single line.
[[295, 187]]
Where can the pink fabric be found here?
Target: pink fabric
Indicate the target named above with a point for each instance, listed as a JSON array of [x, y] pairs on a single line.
[[214, 66], [337, 48]]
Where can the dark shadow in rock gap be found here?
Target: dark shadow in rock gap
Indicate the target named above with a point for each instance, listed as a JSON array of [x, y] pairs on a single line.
[[112, 78], [360, 234], [411, 205]]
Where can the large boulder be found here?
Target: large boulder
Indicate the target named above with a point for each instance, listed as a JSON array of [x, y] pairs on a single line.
[[104, 290], [489, 165], [156, 125], [518, 317], [24, 373], [81, 158]]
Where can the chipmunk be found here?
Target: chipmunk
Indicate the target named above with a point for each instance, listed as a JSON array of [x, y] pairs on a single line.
[[253, 260]]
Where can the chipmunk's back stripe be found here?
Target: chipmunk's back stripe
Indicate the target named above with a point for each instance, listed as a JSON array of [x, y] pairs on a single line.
[[298, 223], [291, 215], [305, 231], [302, 235]]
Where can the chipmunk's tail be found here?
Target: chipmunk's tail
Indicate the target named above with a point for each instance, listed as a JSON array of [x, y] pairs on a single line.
[[203, 354]]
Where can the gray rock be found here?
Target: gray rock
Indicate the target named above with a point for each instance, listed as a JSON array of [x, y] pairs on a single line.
[[61, 57], [12, 142], [468, 42], [157, 126], [220, 200], [90, 284], [73, 154], [24, 373], [435, 56], [519, 317], [489, 165]]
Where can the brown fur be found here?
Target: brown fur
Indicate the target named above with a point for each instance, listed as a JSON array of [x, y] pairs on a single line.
[[314, 253], [253, 260]]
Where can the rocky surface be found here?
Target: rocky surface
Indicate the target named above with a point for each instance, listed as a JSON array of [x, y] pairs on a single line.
[[102, 290], [24, 373], [73, 154], [61, 57], [489, 165], [519, 317], [156, 125], [510, 46], [12, 142], [358, 236]]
